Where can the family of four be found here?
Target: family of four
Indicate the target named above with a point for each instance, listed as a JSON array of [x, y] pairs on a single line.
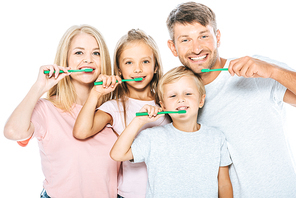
[[229, 143]]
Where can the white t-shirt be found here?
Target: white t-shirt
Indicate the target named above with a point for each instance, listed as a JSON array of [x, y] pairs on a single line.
[[181, 164], [133, 177], [250, 113]]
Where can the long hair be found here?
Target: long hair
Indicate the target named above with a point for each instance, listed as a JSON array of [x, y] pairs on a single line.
[[131, 37], [64, 90]]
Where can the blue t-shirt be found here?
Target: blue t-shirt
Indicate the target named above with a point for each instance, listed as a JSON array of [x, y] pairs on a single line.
[[181, 164]]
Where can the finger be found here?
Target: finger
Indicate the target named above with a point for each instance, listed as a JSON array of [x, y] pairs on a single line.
[[57, 71], [118, 79], [108, 81], [113, 81]]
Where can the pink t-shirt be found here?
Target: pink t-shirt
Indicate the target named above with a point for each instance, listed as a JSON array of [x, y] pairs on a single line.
[[132, 179], [73, 168]]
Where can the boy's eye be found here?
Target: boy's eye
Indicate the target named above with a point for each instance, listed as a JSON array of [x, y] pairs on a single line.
[[96, 53], [188, 94], [172, 96]]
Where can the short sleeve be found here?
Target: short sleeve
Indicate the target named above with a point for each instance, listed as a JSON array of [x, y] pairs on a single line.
[[141, 146], [39, 122], [225, 159]]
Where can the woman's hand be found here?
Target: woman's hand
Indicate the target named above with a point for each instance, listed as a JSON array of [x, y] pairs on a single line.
[[47, 81]]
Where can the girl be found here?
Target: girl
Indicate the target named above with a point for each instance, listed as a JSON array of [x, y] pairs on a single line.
[[136, 55], [66, 161]]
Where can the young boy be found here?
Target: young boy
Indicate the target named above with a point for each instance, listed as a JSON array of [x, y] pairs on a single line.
[[183, 158]]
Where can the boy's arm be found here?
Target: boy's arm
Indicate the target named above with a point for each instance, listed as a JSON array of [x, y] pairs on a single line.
[[121, 150], [224, 183]]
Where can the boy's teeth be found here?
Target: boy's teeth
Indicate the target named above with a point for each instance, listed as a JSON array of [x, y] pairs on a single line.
[[182, 108], [199, 58]]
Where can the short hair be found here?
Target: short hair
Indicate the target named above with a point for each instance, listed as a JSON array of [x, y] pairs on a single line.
[[177, 73], [189, 13], [64, 90]]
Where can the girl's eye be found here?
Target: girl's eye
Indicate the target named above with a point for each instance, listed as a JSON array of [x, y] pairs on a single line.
[[96, 53], [128, 63], [78, 52], [146, 62]]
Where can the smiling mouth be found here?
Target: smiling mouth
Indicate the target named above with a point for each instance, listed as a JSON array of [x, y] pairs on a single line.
[[143, 77], [198, 58], [182, 108]]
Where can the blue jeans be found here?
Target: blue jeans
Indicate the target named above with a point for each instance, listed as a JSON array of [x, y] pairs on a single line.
[[118, 196], [44, 194]]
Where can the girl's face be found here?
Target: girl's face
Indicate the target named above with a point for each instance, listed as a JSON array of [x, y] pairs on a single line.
[[84, 53], [137, 60], [182, 94]]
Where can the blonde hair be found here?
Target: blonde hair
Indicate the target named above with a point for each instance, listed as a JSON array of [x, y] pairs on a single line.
[[175, 74], [64, 90], [133, 36]]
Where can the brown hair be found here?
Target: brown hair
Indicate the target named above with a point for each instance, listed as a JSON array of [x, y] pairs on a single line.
[[64, 90], [133, 36], [188, 13]]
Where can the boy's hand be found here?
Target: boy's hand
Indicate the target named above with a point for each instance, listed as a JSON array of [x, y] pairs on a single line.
[[152, 114]]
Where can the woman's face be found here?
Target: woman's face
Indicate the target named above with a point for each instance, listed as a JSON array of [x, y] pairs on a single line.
[[84, 53]]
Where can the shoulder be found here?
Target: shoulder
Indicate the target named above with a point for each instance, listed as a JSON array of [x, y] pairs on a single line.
[[213, 132]]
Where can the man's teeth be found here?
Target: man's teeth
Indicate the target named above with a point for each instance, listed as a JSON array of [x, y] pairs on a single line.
[[199, 58]]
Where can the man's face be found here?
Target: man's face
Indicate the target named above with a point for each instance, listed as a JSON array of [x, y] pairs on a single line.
[[195, 45]]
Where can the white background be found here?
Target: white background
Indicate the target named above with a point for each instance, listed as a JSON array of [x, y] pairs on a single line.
[[30, 32]]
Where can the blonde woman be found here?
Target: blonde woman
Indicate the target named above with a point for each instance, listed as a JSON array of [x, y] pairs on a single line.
[[136, 55], [72, 168]]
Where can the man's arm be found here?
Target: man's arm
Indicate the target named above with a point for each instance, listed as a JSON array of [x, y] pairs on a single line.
[[249, 67]]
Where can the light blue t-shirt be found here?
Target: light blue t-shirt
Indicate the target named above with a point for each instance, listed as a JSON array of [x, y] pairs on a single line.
[[181, 164], [250, 113]]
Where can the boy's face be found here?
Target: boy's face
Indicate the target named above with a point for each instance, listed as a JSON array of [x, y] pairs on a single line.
[[182, 94]]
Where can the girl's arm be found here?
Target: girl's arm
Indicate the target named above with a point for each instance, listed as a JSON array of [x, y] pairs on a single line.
[[224, 183], [89, 123], [19, 126], [121, 150]]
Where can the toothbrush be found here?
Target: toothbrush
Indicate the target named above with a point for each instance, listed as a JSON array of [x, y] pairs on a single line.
[[162, 112], [78, 70], [209, 70], [123, 80]]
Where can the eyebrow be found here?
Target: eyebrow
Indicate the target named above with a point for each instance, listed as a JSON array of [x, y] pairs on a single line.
[[186, 35], [84, 48], [146, 57]]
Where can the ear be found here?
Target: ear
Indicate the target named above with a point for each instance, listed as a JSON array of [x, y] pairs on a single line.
[[202, 101], [162, 105], [218, 37], [172, 47]]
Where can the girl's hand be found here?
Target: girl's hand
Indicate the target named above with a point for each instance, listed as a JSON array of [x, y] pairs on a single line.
[[109, 83], [152, 113], [47, 81]]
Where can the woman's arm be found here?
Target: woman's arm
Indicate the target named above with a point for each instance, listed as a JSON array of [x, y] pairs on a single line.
[[19, 126], [224, 183], [121, 150]]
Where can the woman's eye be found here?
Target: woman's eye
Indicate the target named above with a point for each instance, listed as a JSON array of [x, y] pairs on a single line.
[[96, 53], [78, 52]]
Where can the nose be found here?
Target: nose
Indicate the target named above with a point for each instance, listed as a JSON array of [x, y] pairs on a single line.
[[88, 58], [138, 68], [181, 99], [196, 46]]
